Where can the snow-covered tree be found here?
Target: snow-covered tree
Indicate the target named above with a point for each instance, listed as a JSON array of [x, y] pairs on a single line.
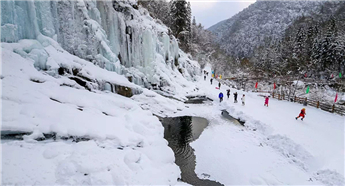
[[180, 22], [158, 9]]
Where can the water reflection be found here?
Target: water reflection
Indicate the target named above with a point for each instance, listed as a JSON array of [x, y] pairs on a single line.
[[179, 132]]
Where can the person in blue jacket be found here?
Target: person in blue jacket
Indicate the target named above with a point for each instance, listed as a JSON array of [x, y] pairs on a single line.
[[220, 97]]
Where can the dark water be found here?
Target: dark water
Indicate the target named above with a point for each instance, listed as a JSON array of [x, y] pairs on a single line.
[[227, 115], [13, 135], [19, 135], [179, 132]]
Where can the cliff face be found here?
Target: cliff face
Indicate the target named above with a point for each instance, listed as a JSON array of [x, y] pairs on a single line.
[[117, 36]]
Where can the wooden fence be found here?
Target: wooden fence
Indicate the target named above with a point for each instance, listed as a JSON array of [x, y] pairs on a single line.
[[315, 103]]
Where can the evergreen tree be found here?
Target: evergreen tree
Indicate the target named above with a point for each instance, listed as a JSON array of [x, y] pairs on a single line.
[[180, 22], [298, 55], [315, 57], [194, 31], [189, 26], [328, 45]]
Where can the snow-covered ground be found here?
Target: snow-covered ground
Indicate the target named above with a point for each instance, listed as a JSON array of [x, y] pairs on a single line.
[[126, 146], [273, 148], [126, 143], [47, 91]]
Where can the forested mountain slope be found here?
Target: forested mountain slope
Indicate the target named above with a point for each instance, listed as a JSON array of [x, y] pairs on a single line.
[[262, 21], [288, 36]]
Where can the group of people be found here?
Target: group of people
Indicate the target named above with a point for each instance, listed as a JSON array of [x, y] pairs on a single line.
[[302, 113], [206, 74], [221, 96], [211, 80], [243, 99]]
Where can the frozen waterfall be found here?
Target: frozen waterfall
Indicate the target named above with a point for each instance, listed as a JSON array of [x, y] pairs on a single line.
[[114, 35]]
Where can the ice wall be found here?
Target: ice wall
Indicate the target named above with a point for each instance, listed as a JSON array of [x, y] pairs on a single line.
[[114, 35]]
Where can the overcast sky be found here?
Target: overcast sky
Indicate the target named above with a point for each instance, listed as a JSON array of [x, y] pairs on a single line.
[[210, 12]]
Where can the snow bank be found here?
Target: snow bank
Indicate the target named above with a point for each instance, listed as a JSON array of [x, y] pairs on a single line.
[[296, 153], [158, 104], [126, 143], [87, 163], [328, 177]]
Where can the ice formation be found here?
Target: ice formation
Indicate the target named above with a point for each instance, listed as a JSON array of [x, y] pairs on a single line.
[[115, 35]]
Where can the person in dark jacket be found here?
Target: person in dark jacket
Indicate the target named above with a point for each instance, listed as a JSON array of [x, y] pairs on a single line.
[[219, 84], [235, 97], [205, 78], [305, 103], [220, 97], [211, 80], [228, 93]]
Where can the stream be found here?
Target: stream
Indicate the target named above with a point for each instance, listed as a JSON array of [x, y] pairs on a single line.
[[180, 131]]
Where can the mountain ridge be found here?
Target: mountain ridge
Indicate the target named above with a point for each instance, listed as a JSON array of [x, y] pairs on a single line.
[[262, 21]]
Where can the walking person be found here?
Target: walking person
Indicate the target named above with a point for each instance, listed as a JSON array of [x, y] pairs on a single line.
[[219, 85], [243, 99], [266, 101], [235, 97], [205, 78], [302, 114], [305, 103], [211, 80], [220, 97], [228, 93]]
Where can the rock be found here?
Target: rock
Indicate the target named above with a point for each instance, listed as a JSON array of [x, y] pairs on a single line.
[[123, 91]]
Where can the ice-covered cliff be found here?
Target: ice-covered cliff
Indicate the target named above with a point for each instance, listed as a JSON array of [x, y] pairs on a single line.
[[63, 66], [116, 35]]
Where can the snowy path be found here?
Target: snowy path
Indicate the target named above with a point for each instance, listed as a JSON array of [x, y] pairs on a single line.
[[274, 148]]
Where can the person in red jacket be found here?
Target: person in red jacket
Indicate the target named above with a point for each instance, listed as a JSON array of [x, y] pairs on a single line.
[[302, 114], [266, 101]]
